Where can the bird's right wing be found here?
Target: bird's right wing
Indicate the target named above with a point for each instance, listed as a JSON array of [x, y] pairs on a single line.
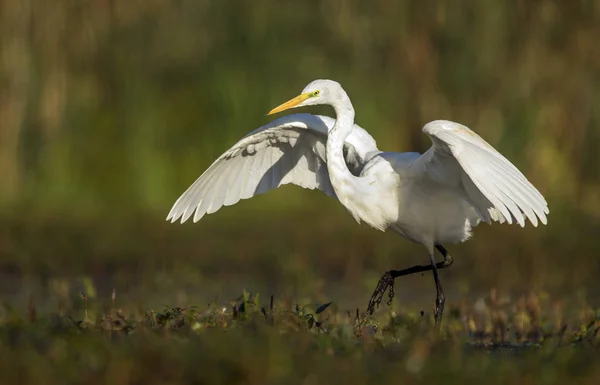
[[495, 187], [291, 149]]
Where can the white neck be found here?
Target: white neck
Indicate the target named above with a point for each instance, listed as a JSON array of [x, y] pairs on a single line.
[[342, 180], [355, 193]]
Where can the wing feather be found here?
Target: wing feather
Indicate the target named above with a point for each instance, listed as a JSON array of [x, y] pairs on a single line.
[[235, 183], [289, 150], [495, 187]]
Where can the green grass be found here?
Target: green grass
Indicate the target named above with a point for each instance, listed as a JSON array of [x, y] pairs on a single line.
[[256, 340], [97, 300]]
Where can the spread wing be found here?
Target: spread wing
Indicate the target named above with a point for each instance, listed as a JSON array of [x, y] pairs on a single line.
[[495, 187], [291, 149]]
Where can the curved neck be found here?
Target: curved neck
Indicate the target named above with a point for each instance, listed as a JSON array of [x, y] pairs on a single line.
[[355, 193], [342, 180]]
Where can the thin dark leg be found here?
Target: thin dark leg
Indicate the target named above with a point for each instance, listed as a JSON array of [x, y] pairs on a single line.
[[387, 281], [440, 299]]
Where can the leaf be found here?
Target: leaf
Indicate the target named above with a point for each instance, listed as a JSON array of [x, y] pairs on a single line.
[[323, 307]]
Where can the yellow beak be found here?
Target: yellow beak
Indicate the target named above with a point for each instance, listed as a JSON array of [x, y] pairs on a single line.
[[290, 103]]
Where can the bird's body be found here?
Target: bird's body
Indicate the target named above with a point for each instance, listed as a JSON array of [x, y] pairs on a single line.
[[431, 198]]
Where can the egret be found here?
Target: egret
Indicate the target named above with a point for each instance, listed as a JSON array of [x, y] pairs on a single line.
[[433, 198]]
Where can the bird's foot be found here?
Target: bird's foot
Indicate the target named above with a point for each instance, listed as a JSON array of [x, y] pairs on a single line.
[[387, 281]]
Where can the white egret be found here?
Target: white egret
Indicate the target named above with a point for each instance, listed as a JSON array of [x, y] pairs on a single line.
[[432, 198]]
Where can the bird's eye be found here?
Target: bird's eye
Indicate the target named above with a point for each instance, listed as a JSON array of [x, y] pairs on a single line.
[[316, 93]]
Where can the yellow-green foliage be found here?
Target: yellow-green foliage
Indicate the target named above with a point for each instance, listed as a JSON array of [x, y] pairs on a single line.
[[121, 105], [254, 341]]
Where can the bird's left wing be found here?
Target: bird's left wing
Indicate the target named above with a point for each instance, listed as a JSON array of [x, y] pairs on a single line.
[[495, 187], [289, 150]]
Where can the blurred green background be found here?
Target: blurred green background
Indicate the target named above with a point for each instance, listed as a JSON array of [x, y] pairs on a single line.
[[110, 109]]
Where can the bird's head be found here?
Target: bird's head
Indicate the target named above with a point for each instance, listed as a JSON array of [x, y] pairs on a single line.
[[321, 91]]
